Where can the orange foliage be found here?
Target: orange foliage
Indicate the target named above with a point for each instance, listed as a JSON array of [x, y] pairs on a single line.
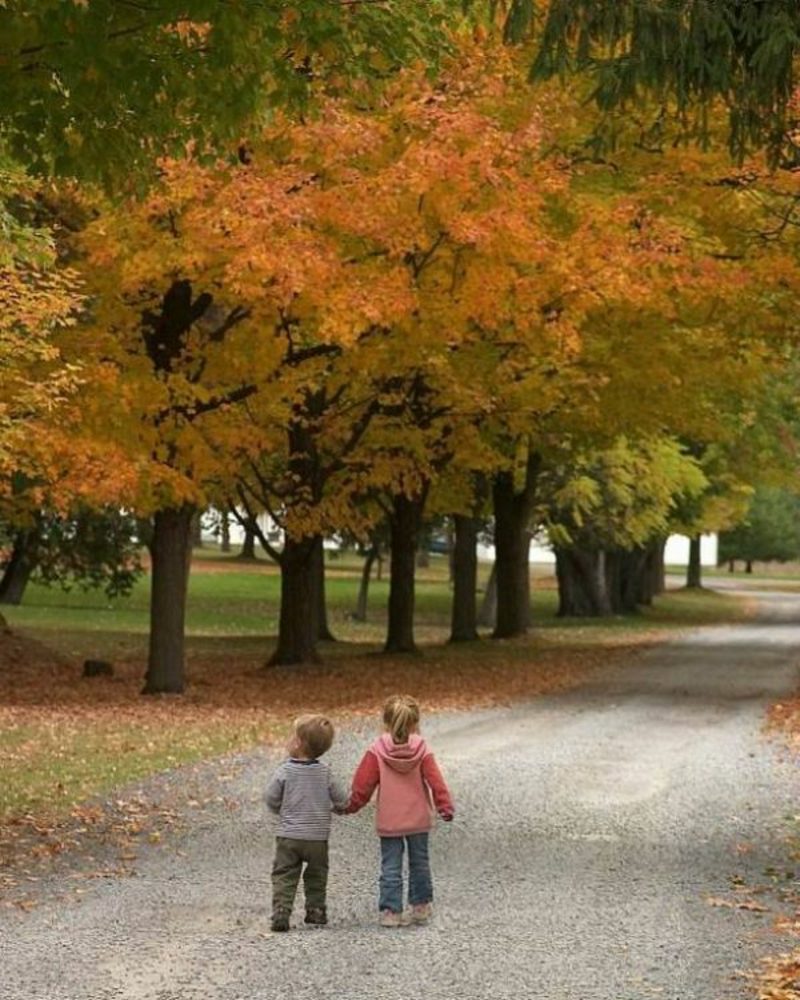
[[36, 300], [432, 245]]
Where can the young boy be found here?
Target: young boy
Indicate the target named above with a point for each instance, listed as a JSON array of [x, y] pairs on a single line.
[[301, 793]]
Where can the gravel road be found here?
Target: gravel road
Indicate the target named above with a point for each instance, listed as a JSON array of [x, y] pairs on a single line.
[[592, 828]]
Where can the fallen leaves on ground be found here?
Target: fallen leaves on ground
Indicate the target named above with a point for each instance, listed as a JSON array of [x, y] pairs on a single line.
[[779, 979], [737, 904], [783, 719]]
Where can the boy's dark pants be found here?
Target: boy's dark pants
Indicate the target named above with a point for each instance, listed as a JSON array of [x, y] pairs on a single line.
[[290, 856]]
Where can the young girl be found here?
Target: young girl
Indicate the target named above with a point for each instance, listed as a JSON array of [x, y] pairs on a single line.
[[409, 784]]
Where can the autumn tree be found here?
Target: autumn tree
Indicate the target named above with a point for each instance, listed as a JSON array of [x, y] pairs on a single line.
[[38, 298], [300, 478], [166, 367], [606, 508]]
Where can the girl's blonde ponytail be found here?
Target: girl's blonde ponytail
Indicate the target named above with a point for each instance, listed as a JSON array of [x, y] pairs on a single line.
[[400, 716]]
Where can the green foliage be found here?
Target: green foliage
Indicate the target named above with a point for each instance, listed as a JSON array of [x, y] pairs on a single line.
[[88, 549], [22, 242], [770, 532], [620, 496], [100, 88], [519, 21], [687, 54]]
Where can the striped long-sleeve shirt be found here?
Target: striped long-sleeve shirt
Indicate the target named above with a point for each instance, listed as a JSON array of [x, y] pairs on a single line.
[[301, 793]]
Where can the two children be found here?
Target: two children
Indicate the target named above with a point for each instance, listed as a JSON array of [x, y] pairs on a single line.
[[401, 766]]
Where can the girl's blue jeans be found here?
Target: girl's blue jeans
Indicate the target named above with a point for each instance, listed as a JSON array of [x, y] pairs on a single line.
[[420, 884]]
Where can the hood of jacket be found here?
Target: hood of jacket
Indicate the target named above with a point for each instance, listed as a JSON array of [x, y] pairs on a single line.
[[402, 757]]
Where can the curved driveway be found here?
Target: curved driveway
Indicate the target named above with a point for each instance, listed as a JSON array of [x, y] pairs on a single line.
[[592, 829]]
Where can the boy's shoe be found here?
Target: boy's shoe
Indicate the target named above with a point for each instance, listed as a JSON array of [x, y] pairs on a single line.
[[389, 918], [317, 916], [280, 921], [420, 913]]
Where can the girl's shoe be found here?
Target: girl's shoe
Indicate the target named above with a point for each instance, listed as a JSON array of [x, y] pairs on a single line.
[[389, 918], [420, 913]]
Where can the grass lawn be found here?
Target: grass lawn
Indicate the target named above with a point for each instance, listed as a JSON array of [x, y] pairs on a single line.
[[765, 575], [64, 739], [231, 602]]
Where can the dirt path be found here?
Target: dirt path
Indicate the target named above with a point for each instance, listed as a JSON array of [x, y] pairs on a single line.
[[592, 829]]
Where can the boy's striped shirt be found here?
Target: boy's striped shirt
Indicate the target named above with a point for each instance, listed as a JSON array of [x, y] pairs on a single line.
[[302, 794]]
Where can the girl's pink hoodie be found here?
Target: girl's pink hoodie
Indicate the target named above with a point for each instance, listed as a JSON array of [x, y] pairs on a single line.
[[409, 785]]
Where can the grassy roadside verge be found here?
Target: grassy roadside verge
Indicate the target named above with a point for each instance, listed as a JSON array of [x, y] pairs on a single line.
[[64, 740]]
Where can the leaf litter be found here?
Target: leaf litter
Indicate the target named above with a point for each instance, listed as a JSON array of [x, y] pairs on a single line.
[[778, 977]]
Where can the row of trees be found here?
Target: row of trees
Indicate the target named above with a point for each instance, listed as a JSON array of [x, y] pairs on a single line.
[[427, 297], [769, 533]]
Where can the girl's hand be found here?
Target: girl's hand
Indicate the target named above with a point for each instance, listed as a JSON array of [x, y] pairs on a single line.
[[447, 816]]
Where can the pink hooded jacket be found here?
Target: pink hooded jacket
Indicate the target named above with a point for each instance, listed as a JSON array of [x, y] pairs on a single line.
[[410, 785]]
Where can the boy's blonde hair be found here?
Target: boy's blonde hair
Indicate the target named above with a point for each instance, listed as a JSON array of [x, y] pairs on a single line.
[[315, 734], [400, 716]]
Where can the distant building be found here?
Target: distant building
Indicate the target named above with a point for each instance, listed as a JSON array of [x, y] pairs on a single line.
[[676, 553]]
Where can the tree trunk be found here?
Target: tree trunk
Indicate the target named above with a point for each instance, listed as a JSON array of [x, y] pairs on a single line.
[[451, 553], [298, 624], [319, 604], [748, 568], [225, 532], [170, 555], [360, 614], [197, 530], [731, 565], [693, 570], [248, 550], [625, 569], [487, 616], [19, 568], [582, 583], [423, 557], [512, 539], [652, 577], [660, 568], [405, 523], [464, 554]]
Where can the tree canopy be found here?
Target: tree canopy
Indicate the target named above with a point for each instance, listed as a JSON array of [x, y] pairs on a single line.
[[683, 54], [769, 532], [101, 88]]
